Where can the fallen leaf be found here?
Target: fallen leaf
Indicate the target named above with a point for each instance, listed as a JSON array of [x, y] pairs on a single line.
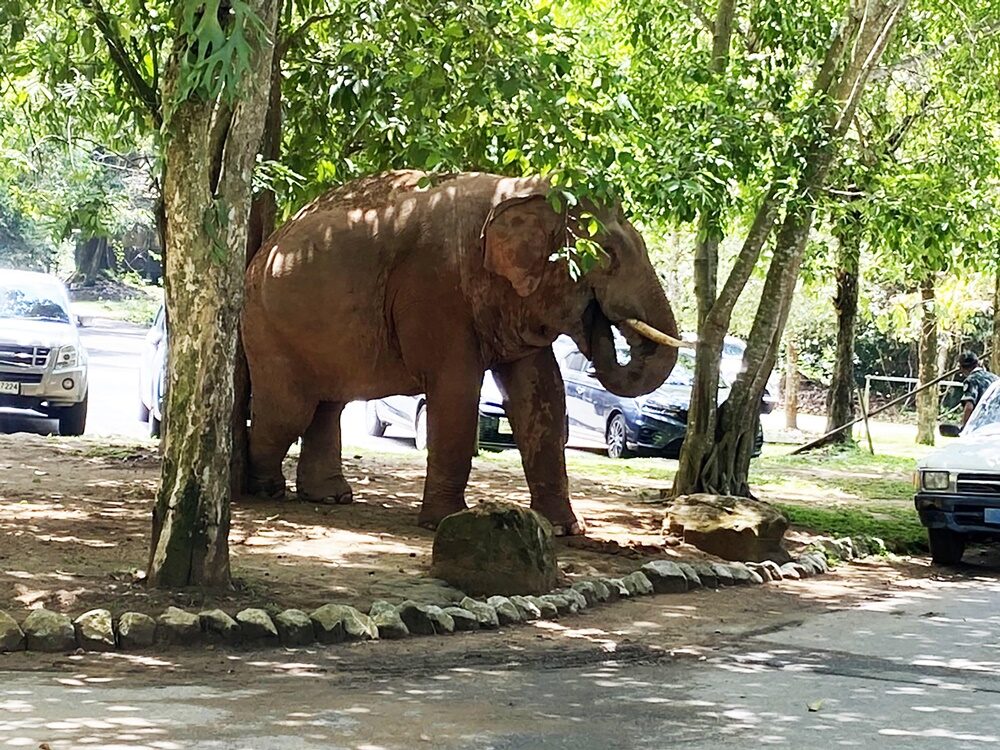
[[815, 706]]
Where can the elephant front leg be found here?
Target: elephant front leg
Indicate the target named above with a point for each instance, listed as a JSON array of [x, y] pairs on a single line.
[[535, 402], [320, 476], [452, 422]]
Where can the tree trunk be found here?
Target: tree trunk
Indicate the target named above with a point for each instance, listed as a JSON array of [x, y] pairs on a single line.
[[927, 400], [209, 155], [263, 217], [995, 342], [841, 79], [792, 386], [840, 401], [92, 258]]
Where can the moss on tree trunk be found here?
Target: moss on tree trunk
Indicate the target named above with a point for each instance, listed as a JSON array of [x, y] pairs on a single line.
[[928, 399]]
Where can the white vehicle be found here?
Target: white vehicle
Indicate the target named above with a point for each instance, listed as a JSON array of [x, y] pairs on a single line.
[[958, 485], [153, 374], [43, 365]]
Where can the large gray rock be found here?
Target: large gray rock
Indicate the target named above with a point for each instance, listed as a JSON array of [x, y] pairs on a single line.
[[294, 628], [546, 609], [743, 575], [588, 590], [218, 627], [526, 608], [733, 528], [617, 589], [335, 623], [638, 584], [563, 605], [95, 630], [136, 631], [693, 579], [48, 631], [464, 619], [496, 548], [507, 611], [723, 574], [177, 627], [574, 596], [256, 625], [11, 635], [386, 618], [666, 577], [485, 614], [601, 590], [706, 574]]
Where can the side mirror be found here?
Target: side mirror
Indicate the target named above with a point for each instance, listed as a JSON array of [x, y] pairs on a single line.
[[949, 430]]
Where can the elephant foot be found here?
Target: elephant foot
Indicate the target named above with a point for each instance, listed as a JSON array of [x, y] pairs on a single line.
[[268, 488], [574, 528], [336, 491], [430, 518]]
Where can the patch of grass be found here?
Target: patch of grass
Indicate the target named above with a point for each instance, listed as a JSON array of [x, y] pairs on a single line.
[[899, 528], [834, 458]]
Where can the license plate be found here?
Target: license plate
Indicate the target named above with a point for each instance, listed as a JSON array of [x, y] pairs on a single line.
[[991, 515], [503, 427], [7, 387]]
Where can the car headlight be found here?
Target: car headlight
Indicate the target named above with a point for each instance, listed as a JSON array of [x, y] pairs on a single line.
[[935, 480], [67, 357]]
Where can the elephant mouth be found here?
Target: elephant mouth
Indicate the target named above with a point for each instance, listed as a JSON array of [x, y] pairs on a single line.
[[633, 330]]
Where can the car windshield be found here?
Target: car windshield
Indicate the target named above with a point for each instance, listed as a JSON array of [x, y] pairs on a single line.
[[988, 411], [31, 300]]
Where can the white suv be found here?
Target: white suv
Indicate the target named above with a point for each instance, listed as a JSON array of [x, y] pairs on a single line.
[[43, 365]]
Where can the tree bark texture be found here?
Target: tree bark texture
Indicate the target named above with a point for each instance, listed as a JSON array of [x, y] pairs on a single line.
[[791, 385], [927, 400], [840, 400], [723, 468], [210, 151], [93, 257]]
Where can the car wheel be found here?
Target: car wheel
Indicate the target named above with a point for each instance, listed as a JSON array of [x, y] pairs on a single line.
[[73, 419], [374, 425], [155, 426], [616, 438], [420, 429], [947, 546]]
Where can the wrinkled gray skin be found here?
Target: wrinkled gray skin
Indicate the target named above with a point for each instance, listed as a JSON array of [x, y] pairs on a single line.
[[381, 287]]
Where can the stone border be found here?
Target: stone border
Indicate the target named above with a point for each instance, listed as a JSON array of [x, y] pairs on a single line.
[[97, 630]]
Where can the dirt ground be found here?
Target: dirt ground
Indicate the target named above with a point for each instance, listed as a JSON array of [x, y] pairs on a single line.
[[75, 523]]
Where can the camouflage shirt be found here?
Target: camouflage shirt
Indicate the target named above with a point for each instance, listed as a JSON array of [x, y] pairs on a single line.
[[977, 383]]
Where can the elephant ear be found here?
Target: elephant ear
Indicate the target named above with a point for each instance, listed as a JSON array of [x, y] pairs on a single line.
[[519, 235]]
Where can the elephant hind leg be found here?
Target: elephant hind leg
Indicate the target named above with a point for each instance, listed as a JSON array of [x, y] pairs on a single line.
[[278, 418], [320, 477]]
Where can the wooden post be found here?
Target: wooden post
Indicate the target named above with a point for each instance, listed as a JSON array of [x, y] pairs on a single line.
[[864, 415]]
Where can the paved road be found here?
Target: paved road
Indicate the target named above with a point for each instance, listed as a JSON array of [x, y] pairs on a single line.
[[917, 670]]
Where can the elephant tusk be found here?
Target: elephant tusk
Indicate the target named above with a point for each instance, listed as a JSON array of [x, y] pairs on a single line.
[[658, 337]]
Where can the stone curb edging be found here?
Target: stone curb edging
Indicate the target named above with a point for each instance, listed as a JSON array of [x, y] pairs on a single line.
[[97, 630]]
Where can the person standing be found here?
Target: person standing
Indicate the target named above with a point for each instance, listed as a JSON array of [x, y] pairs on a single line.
[[977, 381]]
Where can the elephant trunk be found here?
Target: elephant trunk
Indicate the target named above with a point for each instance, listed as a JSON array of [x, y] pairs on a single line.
[[651, 357]]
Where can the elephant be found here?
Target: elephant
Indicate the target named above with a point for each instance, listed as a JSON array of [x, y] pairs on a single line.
[[406, 283]]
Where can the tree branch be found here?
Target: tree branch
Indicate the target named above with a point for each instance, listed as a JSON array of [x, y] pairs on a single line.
[[301, 29], [145, 91]]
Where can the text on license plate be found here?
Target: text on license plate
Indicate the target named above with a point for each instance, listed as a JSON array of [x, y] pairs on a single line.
[[8, 387], [991, 515], [503, 427]]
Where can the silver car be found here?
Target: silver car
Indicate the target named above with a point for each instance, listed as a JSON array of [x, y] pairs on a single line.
[[43, 364]]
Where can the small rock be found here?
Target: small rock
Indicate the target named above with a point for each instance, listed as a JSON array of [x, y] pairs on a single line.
[[850, 548], [760, 571], [575, 597], [740, 573], [587, 590], [386, 618], [861, 546], [666, 577], [295, 628], [723, 574], [876, 546], [638, 584], [707, 574], [694, 581], [219, 627], [773, 568], [804, 572], [48, 631], [507, 612], [256, 625], [11, 635], [601, 590], [526, 608], [136, 631], [617, 588], [815, 562], [95, 630], [546, 609], [485, 614], [563, 605], [425, 619], [334, 623], [791, 571], [464, 619], [175, 626]]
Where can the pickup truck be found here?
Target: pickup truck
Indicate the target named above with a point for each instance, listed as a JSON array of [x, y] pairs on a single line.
[[958, 485]]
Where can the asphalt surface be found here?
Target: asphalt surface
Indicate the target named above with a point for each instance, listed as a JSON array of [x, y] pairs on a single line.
[[917, 670]]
